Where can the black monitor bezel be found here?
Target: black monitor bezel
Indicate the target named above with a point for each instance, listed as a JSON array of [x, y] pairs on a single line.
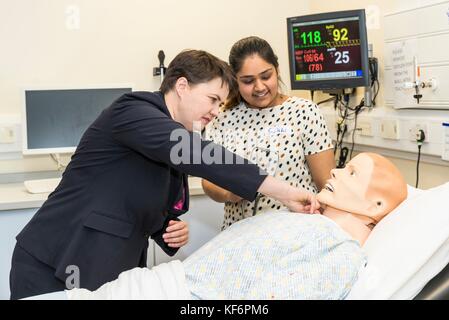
[[331, 83]]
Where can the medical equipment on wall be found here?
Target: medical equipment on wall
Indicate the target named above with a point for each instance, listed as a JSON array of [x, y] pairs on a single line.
[[330, 52], [418, 84], [161, 69], [270, 163], [415, 60]]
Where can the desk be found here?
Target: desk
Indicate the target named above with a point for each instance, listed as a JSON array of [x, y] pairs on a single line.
[[14, 195], [17, 207]]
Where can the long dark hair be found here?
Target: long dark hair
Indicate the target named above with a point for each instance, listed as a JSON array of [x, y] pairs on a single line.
[[241, 50]]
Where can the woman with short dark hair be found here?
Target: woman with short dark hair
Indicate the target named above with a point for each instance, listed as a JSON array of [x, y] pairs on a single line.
[[127, 181]]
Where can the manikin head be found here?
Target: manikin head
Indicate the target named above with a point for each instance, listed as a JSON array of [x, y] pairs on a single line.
[[369, 188]]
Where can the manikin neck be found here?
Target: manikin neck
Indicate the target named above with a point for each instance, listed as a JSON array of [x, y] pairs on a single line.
[[356, 228]]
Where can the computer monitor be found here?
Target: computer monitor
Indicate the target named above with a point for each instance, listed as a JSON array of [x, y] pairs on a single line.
[[54, 120], [328, 50]]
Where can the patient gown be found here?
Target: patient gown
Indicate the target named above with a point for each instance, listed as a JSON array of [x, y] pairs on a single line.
[[276, 255], [273, 255]]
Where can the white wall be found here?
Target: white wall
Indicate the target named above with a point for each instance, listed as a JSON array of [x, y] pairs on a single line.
[[91, 42], [47, 42]]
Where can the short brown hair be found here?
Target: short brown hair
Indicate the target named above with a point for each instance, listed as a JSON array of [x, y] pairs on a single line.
[[198, 66]]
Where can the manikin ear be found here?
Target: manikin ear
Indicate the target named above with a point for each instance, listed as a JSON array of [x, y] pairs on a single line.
[[377, 209], [181, 86]]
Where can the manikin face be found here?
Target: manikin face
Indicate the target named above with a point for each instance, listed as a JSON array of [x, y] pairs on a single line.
[[258, 82], [199, 103], [347, 189], [363, 193]]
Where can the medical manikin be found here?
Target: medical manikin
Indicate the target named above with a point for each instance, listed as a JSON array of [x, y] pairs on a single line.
[[358, 196], [279, 255]]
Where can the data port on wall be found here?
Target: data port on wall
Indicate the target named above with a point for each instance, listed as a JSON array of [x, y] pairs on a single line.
[[389, 129], [364, 128]]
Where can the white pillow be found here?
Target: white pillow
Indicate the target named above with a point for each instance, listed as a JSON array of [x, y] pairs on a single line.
[[413, 192], [407, 248]]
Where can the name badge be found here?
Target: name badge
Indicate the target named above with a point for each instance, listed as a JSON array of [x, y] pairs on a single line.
[[278, 130]]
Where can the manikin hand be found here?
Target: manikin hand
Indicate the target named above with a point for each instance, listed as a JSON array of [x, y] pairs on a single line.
[[301, 201], [177, 234]]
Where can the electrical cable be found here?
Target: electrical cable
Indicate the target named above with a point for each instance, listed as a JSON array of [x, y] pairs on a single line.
[[358, 109], [417, 166], [353, 138], [420, 139], [56, 158], [347, 113], [342, 158], [324, 101]]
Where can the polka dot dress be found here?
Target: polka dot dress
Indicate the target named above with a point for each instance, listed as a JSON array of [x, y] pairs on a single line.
[[277, 139]]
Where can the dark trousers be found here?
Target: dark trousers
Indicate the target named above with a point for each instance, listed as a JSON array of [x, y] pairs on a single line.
[[31, 277]]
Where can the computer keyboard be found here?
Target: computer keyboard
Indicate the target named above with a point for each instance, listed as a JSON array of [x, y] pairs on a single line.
[[42, 185]]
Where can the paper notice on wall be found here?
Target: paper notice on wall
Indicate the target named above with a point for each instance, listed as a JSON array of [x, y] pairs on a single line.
[[401, 56]]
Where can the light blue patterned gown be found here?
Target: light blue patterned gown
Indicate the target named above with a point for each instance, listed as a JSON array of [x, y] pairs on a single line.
[[276, 255]]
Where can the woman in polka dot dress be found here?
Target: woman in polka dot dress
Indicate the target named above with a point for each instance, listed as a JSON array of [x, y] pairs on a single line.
[[286, 136]]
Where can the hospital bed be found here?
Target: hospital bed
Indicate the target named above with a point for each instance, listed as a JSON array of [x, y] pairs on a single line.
[[408, 252], [437, 288]]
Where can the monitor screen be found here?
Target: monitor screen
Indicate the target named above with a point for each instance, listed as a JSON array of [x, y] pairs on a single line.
[[55, 120], [328, 50]]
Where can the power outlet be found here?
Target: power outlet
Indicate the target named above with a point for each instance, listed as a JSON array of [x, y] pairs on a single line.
[[414, 131], [390, 129]]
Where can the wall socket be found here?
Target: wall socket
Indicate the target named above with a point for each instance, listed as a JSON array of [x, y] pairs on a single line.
[[7, 135], [413, 131], [389, 129]]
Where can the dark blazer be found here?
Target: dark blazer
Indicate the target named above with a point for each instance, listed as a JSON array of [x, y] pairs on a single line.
[[120, 188]]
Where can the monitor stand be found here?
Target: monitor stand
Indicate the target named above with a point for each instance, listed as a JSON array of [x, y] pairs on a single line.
[[42, 185]]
